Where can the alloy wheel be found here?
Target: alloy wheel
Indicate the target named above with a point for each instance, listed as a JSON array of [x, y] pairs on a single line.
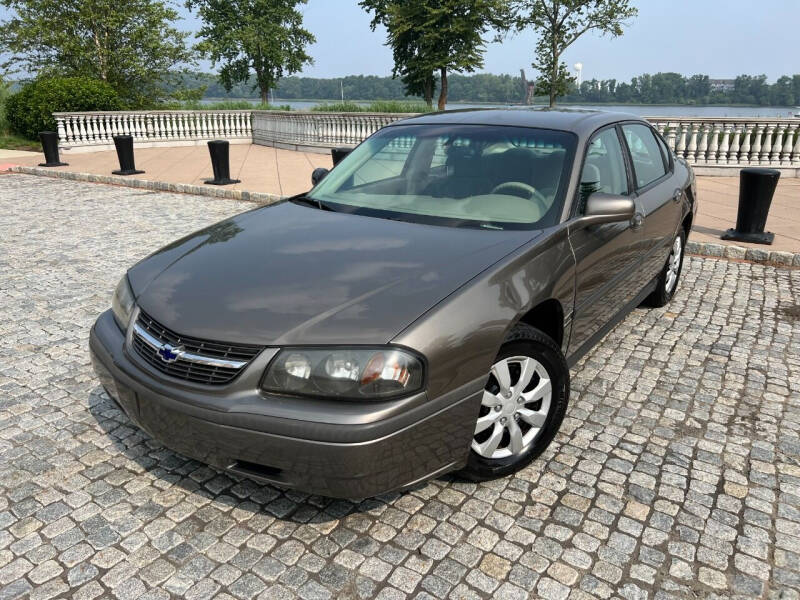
[[514, 408], [673, 265]]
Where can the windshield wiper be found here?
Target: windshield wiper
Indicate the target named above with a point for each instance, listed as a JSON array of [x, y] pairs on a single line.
[[308, 201]]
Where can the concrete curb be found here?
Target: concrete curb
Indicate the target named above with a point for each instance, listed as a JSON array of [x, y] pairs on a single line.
[[756, 255], [154, 186]]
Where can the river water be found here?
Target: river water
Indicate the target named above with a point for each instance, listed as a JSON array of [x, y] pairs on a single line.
[[646, 110]]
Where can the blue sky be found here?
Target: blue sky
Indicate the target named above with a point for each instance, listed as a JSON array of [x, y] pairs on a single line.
[[722, 38]]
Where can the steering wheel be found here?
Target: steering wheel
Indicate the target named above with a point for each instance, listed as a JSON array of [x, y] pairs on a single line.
[[531, 193]]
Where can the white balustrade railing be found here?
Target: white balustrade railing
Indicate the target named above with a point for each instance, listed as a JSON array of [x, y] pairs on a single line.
[[736, 142], [317, 129], [88, 130], [712, 145]]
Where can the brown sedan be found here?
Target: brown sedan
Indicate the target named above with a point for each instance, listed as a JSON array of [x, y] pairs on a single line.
[[413, 314]]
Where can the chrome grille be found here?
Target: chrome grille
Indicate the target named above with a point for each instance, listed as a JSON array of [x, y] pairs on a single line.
[[196, 360]]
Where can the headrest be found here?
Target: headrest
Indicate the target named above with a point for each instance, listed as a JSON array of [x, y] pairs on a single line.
[[590, 173]]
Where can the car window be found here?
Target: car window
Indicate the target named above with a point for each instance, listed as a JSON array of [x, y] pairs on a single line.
[[664, 150], [604, 167], [459, 175], [386, 164], [648, 163]]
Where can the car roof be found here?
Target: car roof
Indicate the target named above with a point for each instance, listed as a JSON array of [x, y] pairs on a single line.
[[579, 121]]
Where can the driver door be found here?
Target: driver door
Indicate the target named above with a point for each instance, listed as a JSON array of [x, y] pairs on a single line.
[[607, 256], [659, 193]]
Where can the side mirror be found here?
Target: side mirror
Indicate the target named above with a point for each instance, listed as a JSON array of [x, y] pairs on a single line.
[[318, 175], [608, 208], [338, 154]]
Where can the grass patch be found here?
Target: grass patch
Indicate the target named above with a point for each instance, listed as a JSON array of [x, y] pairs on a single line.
[[338, 107], [9, 141], [221, 105], [386, 106]]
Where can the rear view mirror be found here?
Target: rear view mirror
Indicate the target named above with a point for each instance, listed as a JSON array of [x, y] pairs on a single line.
[[608, 208], [318, 175]]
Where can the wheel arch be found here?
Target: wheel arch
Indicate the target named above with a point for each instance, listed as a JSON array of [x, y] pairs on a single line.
[[548, 317], [686, 224], [688, 218]]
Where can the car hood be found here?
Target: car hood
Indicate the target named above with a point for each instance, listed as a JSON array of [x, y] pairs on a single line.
[[291, 274]]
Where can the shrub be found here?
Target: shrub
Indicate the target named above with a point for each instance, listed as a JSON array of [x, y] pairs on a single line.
[[30, 110], [383, 106], [4, 93]]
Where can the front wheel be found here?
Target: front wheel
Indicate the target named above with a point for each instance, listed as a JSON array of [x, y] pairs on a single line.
[[522, 407], [667, 282]]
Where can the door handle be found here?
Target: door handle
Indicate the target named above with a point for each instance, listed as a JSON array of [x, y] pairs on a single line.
[[637, 220], [677, 195]]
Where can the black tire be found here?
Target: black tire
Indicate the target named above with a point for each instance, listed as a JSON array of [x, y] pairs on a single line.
[[663, 294], [529, 342]]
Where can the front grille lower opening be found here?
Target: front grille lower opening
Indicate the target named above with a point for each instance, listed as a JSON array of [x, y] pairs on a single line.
[[250, 468]]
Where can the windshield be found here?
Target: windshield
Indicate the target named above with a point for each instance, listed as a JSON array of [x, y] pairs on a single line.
[[459, 175]]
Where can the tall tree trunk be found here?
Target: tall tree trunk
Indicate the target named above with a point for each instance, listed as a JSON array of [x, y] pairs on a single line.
[[101, 62], [428, 91], [553, 76], [443, 89], [264, 95]]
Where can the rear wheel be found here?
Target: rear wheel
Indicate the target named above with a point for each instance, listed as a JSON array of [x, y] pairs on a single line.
[[667, 282], [522, 407]]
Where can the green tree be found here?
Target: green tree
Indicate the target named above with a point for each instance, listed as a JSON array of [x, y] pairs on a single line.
[[4, 93], [749, 89], [559, 24], [796, 88], [430, 37], [417, 77], [669, 88], [698, 88], [782, 92], [130, 45], [258, 40]]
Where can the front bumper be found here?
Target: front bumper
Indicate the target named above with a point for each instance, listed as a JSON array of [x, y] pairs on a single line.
[[344, 449]]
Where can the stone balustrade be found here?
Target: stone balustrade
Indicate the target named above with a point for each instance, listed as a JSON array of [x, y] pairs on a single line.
[[714, 146], [317, 130], [93, 131]]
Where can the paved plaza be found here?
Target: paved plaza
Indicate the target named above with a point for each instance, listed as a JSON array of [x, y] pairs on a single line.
[[285, 173], [676, 473]]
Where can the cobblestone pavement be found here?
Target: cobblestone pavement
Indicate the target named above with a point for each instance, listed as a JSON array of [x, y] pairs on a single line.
[[676, 473]]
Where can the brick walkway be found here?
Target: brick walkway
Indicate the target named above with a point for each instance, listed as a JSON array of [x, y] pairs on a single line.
[[284, 172], [676, 473]]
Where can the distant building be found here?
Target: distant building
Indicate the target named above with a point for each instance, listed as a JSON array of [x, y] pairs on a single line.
[[722, 85]]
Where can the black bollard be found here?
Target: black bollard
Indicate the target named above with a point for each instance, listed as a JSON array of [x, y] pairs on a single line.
[[220, 162], [49, 141], [124, 145], [756, 187], [337, 154], [318, 175]]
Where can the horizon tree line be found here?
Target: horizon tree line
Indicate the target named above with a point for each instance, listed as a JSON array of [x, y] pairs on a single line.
[[657, 88]]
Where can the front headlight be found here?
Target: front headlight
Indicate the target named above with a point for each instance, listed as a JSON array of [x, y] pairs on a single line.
[[122, 303], [351, 373]]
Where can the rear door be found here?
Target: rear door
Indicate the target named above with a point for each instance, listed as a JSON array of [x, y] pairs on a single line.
[[607, 256], [658, 193]]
